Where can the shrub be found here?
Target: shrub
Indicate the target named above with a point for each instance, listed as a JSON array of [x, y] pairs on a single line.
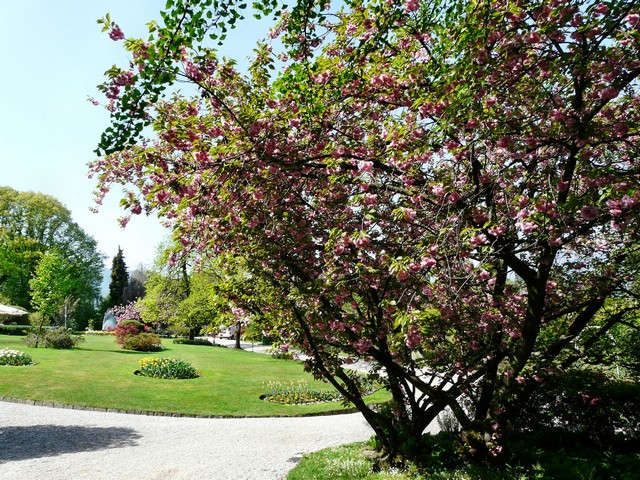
[[61, 338], [142, 342], [54, 338], [125, 329], [167, 368], [15, 329], [585, 404], [14, 358], [195, 341]]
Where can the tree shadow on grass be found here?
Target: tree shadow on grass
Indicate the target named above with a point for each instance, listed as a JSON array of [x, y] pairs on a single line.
[[22, 443]]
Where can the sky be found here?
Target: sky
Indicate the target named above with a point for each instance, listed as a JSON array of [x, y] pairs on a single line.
[[53, 56]]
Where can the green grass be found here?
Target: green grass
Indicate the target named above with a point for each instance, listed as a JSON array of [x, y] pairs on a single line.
[[100, 374], [355, 462]]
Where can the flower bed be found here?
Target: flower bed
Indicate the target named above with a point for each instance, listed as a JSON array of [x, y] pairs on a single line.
[[297, 394], [167, 368], [15, 358]]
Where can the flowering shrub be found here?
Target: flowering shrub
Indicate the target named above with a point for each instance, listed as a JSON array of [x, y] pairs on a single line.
[[134, 335], [126, 312], [142, 342], [167, 368], [299, 393], [14, 358]]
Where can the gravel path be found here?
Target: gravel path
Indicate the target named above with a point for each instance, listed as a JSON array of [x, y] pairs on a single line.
[[62, 444]]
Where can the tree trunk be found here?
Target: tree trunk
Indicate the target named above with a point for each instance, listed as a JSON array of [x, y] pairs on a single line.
[[238, 331], [39, 331]]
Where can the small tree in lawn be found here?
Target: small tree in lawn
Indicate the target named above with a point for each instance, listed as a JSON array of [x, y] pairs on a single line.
[[51, 287], [448, 189]]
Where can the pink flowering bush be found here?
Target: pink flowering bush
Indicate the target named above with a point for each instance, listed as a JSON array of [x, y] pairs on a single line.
[[127, 312]]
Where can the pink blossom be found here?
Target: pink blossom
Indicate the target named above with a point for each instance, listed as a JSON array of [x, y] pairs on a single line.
[[479, 240], [413, 337], [454, 197], [628, 202], [124, 78], [402, 275], [615, 207], [484, 275], [438, 190], [370, 198], [409, 213], [427, 262], [497, 230], [116, 33], [162, 196], [365, 166], [608, 93], [601, 9], [589, 212], [362, 242], [411, 5], [527, 227], [363, 345], [632, 18], [112, 92]]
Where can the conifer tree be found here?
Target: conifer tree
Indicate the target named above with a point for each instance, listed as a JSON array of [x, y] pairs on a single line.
[[119, 280]]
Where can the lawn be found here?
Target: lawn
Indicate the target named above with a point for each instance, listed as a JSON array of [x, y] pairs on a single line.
[[531, 460], [98, 373]]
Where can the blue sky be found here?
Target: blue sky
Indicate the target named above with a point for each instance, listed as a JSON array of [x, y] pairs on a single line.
[[53, 56]]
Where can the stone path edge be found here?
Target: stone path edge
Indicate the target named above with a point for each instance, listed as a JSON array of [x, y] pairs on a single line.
[[67, 406]]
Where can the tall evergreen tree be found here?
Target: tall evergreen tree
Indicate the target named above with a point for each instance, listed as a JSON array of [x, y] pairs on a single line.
[[119, 280]]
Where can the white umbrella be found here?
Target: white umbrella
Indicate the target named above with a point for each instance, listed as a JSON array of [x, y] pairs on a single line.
[[6, 310]]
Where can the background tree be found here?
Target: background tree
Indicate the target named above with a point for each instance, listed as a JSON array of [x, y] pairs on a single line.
[[50, 286], [119, 280], [32, 224], [135, 287], [200, 308], [18, 259], [161, 302], [447, 189]]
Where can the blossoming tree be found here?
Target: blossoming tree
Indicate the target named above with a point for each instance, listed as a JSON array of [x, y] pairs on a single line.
[[448, 189]]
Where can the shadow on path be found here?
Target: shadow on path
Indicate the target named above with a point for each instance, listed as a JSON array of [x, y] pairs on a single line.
[[22, 443]]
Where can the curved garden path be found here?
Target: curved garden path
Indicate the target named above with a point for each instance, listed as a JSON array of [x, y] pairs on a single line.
[[63, 444]]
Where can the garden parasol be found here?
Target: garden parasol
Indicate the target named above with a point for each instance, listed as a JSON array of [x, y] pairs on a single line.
[[6, 310]]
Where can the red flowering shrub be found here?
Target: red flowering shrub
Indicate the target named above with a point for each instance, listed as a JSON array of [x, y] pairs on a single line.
[[125, 329], [134, 335]]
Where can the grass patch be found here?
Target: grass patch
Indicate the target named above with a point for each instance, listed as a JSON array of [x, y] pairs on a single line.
[[99, 374], [533, 461]]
